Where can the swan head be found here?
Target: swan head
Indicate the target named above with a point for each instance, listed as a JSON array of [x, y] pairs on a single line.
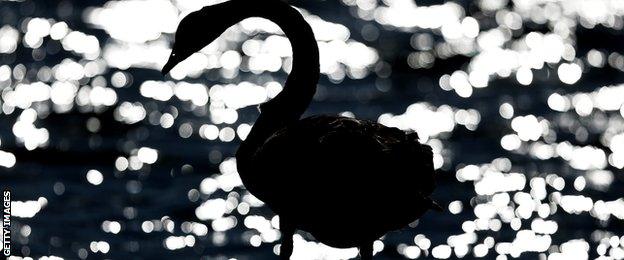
[[197, 30]]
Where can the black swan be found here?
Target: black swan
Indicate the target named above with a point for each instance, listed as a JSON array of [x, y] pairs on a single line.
[[345, 181]]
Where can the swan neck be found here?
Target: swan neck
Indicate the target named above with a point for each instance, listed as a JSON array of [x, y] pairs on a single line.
[[300, 86]]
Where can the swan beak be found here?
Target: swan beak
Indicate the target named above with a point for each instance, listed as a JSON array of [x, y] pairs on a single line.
[[173, 60]]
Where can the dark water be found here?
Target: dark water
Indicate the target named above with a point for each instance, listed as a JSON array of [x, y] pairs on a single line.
[[105, 158]]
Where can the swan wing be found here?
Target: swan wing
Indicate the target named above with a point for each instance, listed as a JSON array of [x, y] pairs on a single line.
[[356, 156]]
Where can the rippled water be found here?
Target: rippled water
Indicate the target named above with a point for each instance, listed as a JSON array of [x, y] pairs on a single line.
[[521, 101]]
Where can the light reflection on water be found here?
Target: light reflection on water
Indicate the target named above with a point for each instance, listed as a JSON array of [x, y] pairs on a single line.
[[108, 159]]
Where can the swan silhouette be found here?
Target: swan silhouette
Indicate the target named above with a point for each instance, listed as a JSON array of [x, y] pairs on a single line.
[[345, 181]]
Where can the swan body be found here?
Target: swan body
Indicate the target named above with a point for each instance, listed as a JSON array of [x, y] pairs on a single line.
[[345, 181]]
